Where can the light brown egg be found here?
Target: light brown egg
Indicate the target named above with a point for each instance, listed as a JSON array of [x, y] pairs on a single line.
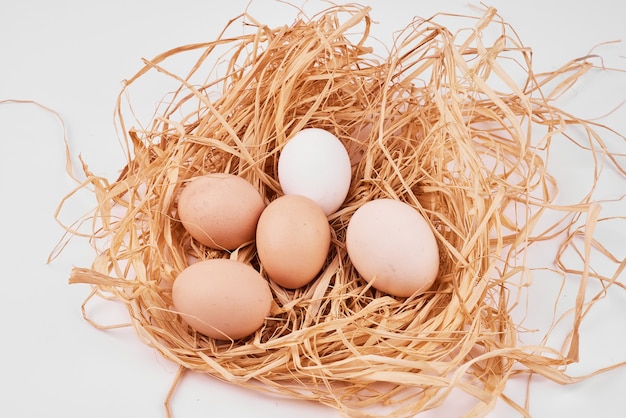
[[220, 210], [293, 239], [392, 246], [222, 298]]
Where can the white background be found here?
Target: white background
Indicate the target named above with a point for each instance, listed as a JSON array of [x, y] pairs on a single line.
[[71, 56]]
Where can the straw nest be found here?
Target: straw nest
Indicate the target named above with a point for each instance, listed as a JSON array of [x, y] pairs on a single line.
[[439, 123]]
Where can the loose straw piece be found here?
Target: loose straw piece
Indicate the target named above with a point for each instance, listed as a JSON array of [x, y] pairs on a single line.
[[424, 125]]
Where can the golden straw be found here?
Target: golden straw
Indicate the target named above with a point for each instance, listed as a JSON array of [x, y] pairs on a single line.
[[425, 125]]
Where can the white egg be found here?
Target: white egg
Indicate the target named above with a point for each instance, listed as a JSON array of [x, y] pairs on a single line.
[[315, 163]]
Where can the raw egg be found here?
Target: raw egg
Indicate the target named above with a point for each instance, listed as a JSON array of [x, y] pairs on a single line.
[[314, 163], [220, 210], [393, 247], [222, 298], [292, 240]]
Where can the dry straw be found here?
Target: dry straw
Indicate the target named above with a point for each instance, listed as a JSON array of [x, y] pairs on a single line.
[[440, 123]]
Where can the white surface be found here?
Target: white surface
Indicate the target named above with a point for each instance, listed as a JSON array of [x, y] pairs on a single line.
[[71, 57]]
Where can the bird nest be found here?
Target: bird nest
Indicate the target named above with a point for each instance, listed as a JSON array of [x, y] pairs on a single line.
[[439, 123]]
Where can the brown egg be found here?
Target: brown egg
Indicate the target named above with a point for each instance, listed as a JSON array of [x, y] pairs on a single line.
[[293, 239], [393, 247], [220, 210], [222, 298]]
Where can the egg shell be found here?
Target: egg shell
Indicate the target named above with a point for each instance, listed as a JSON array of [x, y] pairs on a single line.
[[314, 163], [392, 246], [220, 210], [292, 240], [222, 298]]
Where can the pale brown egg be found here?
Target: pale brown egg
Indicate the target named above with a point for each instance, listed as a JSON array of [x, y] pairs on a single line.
[[393, 247], [222, 298], [292, 240], [220, 210]]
